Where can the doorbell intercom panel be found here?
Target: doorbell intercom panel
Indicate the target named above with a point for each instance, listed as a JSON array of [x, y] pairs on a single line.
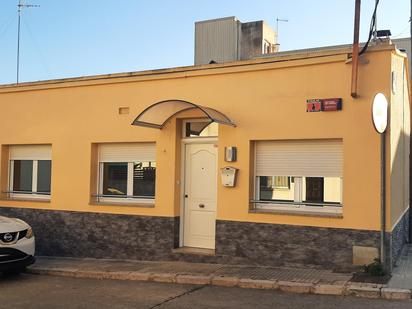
[[230, 154]]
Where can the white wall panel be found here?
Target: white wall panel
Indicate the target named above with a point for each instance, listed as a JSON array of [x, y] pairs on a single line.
[[30, 152], [216, 40], [127, 152], [313, 158]]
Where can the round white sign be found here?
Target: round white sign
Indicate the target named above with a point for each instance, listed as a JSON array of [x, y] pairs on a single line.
[[380, 112]]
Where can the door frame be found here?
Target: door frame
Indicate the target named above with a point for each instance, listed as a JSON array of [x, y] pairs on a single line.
[[187, 141]]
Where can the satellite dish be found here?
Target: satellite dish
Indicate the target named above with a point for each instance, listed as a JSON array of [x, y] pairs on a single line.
[[380, 113]]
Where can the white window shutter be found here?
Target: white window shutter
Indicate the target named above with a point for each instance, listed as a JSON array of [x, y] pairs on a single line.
[[310, 158], [30, 152], [127, 152]]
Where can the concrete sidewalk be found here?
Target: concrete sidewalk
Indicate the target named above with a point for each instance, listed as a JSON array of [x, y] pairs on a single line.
[[402, 274], [295, 280]]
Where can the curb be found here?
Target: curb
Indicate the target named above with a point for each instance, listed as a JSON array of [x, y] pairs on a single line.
[[400, 294], [295, 287], [329, 289], [363, 290]]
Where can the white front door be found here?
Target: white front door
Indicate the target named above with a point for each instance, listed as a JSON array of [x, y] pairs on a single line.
[[200, 195]]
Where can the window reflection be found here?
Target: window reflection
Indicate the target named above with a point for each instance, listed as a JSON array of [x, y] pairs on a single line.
[[129, 179], [321, 189], [312, 190], [44, 176], [114, 178], [281, 188], [201, 128], [144, 178], [22, 175]]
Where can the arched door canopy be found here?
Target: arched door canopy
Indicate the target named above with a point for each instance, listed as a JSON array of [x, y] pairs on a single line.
[[156, 115]]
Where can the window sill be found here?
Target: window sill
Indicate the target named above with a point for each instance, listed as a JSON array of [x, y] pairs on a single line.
[[26, 199], [123, 204], [309, 211]]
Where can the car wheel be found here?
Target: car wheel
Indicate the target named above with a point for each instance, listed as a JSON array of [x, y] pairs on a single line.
[[14, 271]]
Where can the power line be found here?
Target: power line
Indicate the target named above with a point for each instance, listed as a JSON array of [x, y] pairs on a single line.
[[5, 27], [372, 29], [402, 32], [37, 47]]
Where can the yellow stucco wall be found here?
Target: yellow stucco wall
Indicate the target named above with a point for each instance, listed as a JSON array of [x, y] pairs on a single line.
[[399, 139], [266, 98]]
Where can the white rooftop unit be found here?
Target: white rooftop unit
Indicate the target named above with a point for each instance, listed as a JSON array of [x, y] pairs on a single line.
[[227, 39]]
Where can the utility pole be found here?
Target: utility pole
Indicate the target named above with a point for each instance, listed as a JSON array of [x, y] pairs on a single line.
[[355, 50], [20, 7]]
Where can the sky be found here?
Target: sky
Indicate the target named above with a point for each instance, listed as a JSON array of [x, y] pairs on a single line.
[[72, 38]]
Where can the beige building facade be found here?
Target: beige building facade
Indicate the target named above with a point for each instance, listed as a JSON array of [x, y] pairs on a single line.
[[307, 185]]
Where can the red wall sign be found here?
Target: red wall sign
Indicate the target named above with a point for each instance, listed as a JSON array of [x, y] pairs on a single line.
[[323, 105], [314, 105], [331, 105]]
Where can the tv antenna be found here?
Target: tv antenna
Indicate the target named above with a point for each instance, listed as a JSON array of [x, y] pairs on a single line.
[[277, 27], [22, 5]]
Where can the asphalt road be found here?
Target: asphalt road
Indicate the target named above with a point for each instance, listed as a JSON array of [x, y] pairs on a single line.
[[34, 291]]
